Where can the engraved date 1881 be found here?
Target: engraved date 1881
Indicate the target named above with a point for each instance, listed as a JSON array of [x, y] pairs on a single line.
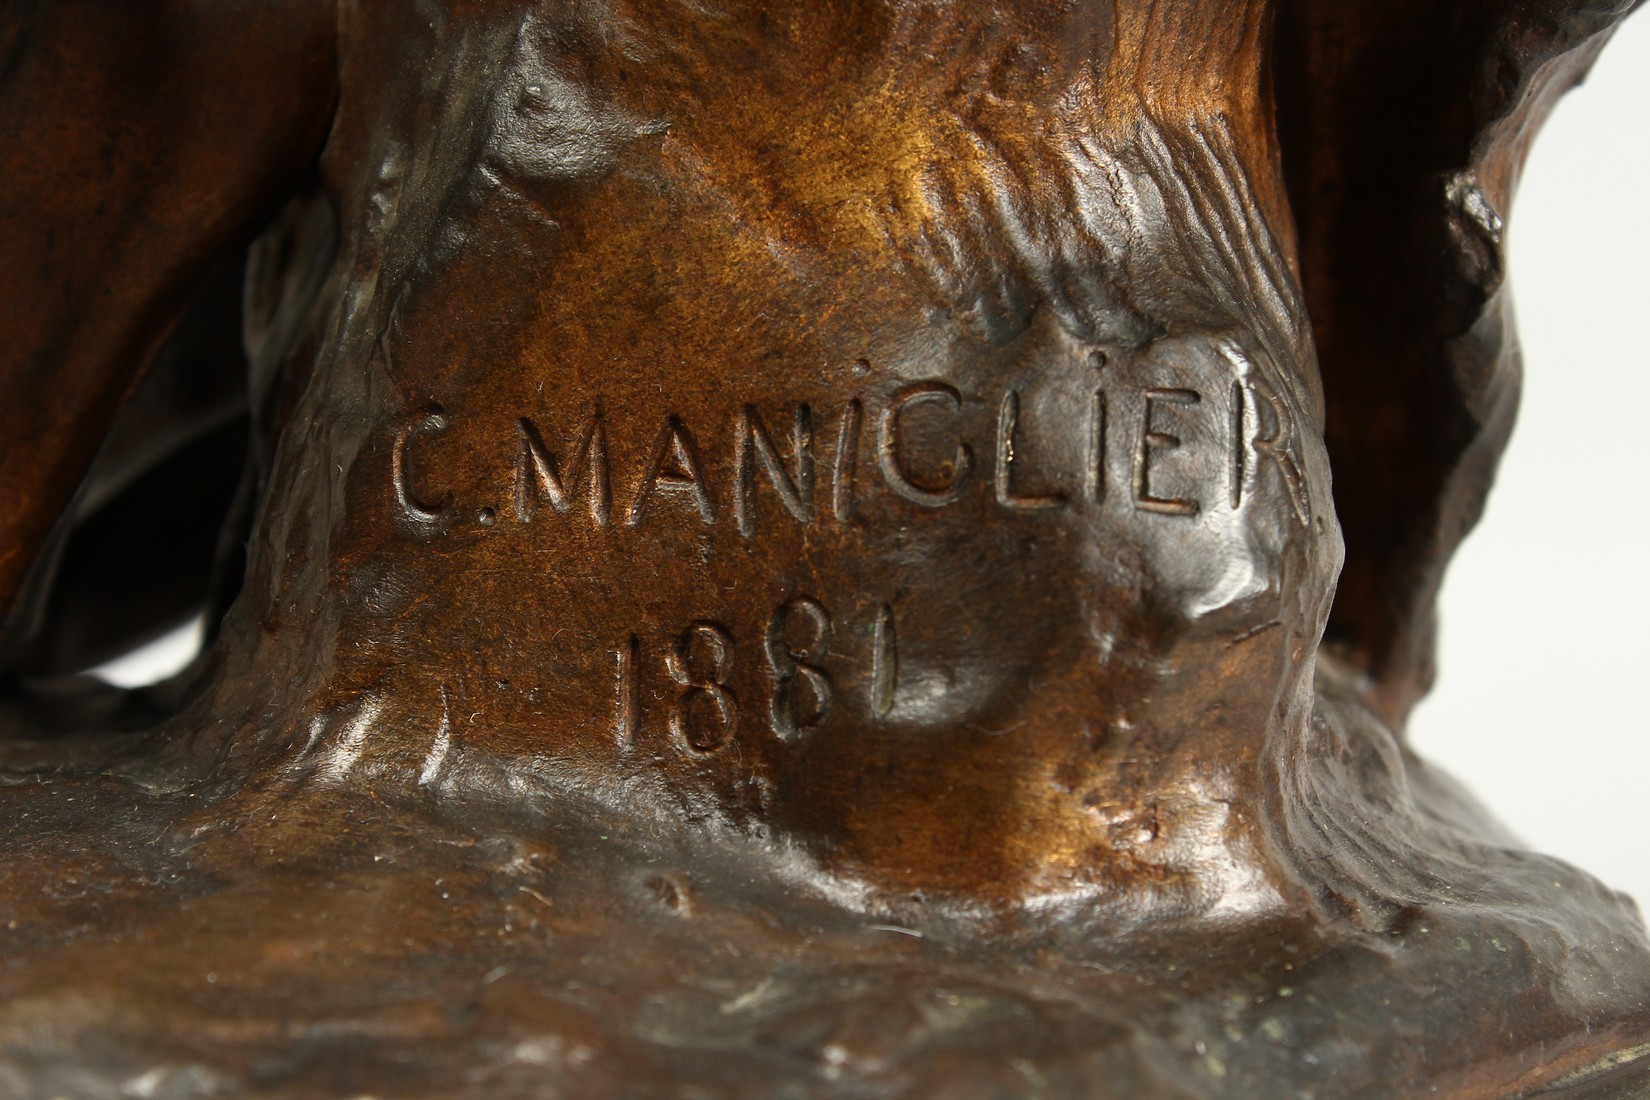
[[699, 666]]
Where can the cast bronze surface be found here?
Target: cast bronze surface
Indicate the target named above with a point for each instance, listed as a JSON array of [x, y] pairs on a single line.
[[788, 551]]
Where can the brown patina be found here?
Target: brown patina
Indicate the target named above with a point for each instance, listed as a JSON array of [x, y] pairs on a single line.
[[779, 550]]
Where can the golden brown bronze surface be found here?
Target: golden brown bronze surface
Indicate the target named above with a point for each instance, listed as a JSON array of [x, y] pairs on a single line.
[[788, 551]]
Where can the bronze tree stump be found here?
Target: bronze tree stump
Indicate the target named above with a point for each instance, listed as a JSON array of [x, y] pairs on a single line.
[[779, 550]]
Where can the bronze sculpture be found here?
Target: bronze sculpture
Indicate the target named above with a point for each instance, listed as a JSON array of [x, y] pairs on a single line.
[[787, 549]]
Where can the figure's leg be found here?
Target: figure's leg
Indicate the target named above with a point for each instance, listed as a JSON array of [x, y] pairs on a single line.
[[145, 143]]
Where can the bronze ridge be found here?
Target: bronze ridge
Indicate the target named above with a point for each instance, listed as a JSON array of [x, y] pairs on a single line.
[[761, 549]]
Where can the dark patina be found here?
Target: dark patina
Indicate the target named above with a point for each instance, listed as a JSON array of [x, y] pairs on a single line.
[[767, 550]]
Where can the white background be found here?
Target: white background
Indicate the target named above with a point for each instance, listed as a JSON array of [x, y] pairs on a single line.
[[1543, 701]]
